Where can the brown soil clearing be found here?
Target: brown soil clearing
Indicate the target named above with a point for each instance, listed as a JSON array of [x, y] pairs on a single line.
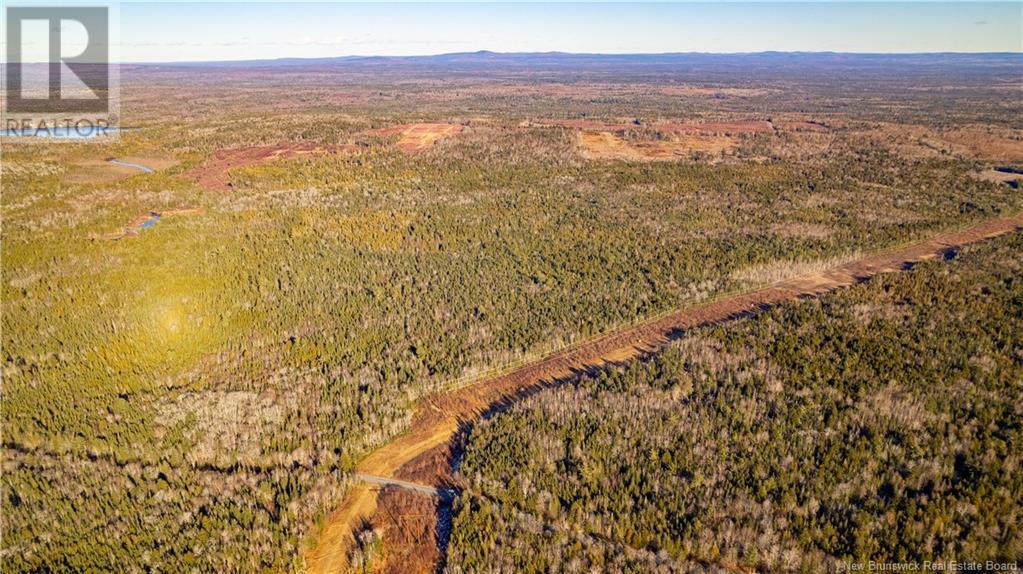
[[417, 137], [606, 145], [213, 174], [708, 128]]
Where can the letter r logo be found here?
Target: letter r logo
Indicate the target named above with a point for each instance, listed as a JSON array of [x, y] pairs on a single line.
[[90, 67]]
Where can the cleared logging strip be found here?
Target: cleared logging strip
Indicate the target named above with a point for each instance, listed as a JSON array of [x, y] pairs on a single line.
[[438, 417]]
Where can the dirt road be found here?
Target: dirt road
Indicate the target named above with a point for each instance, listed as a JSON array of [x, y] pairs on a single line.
[[420, 455]]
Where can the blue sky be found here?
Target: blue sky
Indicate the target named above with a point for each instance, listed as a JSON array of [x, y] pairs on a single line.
[[246, 30]]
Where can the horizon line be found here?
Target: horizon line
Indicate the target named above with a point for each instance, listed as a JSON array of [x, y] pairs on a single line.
[[561, 53]]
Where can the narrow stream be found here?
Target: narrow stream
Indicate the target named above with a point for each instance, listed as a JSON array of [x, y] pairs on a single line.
[[138, 166]]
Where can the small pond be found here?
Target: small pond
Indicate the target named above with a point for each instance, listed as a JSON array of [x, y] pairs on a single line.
[[153, 218]]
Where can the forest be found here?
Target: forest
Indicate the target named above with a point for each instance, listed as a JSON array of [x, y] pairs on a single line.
[[878, 423], [194, 395]]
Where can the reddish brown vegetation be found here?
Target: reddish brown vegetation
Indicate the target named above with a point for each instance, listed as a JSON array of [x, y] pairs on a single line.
[[407, 522], [432, 467], [736, 127], [587, 125], [800, 125], [214, 173]]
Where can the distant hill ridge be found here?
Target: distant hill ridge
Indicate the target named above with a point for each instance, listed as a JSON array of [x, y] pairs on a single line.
[[561, 59]]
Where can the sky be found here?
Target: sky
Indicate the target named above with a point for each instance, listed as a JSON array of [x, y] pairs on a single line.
[[166, 32]]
